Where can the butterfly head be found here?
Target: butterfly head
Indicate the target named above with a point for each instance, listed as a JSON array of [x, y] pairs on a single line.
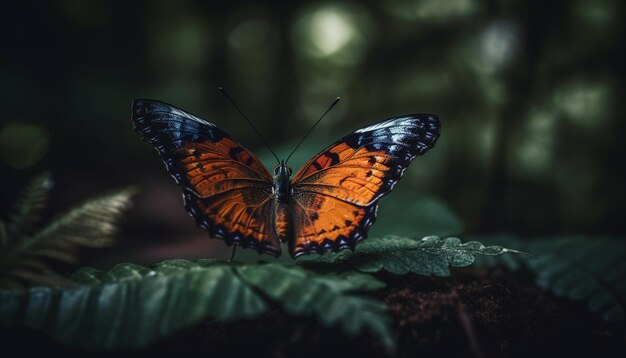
[[282, 170]]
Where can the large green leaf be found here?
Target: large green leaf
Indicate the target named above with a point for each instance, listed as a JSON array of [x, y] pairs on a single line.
[[431, 255], [579, 268], [131, 306], [301, 293]]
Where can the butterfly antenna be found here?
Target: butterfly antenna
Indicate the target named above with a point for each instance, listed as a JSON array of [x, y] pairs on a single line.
[[247, 120], [313, 127]]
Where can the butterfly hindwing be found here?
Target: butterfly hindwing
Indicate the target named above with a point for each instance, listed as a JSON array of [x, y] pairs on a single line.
[[226, 188], [324, 222], [241, 216], [336, 193]]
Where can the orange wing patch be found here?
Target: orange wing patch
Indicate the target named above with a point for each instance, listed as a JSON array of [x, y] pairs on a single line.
[[323, 222], [215, 168], [241, 216], [356, 179], [325, 159]]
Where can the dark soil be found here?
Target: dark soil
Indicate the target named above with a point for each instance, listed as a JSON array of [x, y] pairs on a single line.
[[474, 313]]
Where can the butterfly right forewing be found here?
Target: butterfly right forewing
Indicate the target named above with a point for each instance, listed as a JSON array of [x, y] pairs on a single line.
[[336, 193]]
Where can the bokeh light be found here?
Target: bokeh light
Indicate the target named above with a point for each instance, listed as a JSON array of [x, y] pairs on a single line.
[[585, 103], [535, 145], [495, 47], [23, 144], [597, 13], [339, 33], [431, 10]]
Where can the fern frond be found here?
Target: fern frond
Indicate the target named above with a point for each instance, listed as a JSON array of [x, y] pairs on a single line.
[[92, 224], [130, 306], [30, 205]]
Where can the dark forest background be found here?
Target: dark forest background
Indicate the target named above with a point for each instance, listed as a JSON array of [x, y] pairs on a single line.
[[530, 94]]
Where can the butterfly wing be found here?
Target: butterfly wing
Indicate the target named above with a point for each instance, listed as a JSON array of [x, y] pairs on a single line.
[[336, 193], [226, 189]]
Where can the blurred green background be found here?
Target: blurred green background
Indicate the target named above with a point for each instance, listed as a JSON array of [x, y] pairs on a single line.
[[530, 94]]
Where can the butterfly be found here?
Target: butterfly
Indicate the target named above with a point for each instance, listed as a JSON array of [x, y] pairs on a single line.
[[329, 204]]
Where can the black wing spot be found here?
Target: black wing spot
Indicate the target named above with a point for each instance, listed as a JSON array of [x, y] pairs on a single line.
[[372, 160], [356, 213], [314, 216], [348, 223], [334, 157], [369, 174], [249, 161], [199, 165], [317, 166], [234, 151], [196, 153]]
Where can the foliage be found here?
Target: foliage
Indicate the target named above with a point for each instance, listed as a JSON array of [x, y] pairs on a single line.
[[131, 305], [106, 307], [102, 308], [431, 255], [583, 269], [26, 248]]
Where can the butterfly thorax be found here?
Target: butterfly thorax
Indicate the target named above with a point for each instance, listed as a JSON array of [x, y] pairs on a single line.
[[282, 181], [282, 193]]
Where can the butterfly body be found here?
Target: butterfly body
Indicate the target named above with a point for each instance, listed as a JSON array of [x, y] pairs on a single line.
[[282, 182], [329, 204]]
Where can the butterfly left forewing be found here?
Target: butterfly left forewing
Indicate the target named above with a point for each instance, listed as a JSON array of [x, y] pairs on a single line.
[[346, 180], [226, 188]]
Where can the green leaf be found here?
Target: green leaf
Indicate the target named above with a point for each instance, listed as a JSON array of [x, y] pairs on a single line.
[[579, 268], [431, 255], [130, 306], [301, 293]]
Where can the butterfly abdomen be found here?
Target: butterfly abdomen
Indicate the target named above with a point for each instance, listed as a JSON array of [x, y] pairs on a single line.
[[282, 222]]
